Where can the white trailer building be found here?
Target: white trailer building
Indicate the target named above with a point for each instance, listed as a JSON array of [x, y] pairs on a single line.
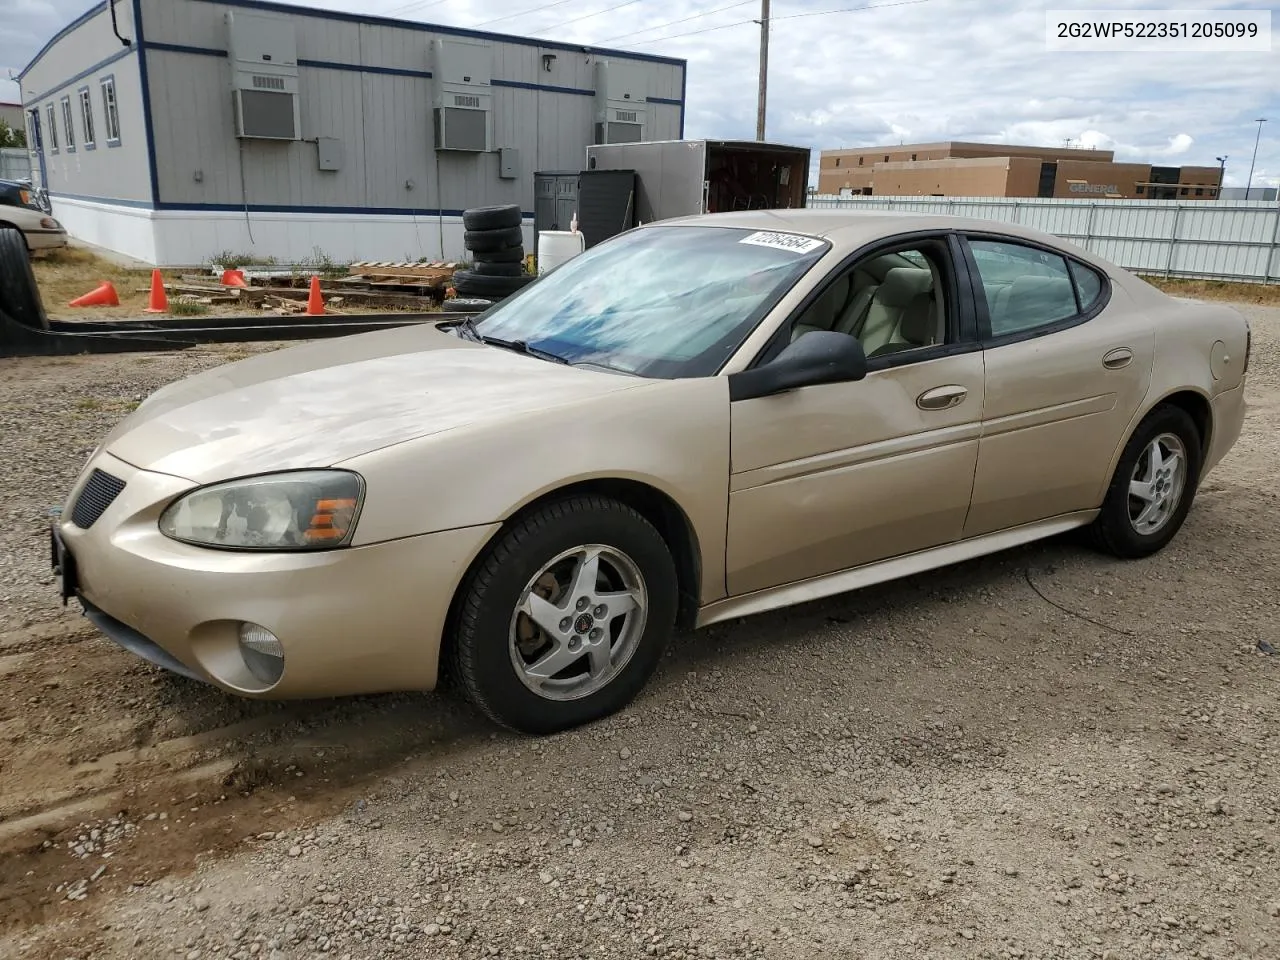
[[169, 130]]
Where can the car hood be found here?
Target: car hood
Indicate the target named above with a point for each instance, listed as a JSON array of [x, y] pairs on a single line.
[[330, 400]]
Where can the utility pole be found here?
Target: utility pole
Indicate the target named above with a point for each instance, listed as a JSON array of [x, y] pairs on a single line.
[[1249, 183], [764, 68]]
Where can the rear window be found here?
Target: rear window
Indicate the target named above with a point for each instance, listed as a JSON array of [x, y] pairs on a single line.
[[1088, 284]]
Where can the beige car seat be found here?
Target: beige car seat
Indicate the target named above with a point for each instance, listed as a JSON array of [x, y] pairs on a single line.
[[903, 287], [835, 309]]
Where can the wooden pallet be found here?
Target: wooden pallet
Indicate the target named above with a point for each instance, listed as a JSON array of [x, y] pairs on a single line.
[[403, 268], [403, 273]]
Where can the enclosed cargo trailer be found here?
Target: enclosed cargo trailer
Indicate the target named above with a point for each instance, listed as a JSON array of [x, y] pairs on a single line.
[[677, 178]]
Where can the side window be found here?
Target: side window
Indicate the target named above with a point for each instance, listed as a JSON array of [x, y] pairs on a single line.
[[86, 117], [1088, 284], [1025, 287], [110, 110], [53, 129], [892, 302], [67, 126]]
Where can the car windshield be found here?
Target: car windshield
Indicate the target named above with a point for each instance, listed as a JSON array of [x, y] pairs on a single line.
[[660, 302]]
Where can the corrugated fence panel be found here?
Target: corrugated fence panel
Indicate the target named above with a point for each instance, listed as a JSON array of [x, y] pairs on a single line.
[[15, 163], [1232, 241]]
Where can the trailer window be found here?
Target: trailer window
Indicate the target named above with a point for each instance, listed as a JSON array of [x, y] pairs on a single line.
[[661, 302]]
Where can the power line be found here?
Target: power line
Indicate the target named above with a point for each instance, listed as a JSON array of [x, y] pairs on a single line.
[[424, 4], [512, 16], [789, 16], [874, 6], [588, 16], [672, 23]]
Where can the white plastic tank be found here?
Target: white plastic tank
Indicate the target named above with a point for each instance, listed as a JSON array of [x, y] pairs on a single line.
[[558, 246]]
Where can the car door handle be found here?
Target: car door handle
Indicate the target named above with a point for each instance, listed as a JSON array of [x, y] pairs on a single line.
[[942, 398], [1117, 358]]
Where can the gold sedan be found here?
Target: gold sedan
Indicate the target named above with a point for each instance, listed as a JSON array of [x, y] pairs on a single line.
[[696, 420]]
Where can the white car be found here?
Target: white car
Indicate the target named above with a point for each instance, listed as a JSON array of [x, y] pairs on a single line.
[[17, 209]]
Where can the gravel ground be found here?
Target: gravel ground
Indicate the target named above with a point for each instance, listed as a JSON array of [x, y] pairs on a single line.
[[1042, 754]]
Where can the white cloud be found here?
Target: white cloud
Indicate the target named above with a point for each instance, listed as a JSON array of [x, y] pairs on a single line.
[[942, 69]]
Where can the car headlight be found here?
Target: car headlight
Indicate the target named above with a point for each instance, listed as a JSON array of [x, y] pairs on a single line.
[[297, 510], [50, 224]]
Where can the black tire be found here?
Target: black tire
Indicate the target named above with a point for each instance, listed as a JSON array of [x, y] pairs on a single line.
[[493, 218], [486, 268], [471, 284], [480, 658], [466, 305], [19, 295], [514, 254], [1113, 530], [481, 241]]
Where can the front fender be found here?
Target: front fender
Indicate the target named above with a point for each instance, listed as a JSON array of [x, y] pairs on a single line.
[[672, 435]]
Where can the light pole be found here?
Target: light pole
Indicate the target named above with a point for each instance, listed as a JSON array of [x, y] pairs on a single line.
[[1222, 172], [1249, 183]]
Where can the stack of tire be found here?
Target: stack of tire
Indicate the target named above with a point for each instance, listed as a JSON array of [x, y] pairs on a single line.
[[496, 242]]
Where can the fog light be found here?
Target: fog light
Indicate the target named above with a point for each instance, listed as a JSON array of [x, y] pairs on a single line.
[[262, 652]]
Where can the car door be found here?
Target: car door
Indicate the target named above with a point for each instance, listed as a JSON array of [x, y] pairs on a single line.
[[833, 476], [1068, 360]]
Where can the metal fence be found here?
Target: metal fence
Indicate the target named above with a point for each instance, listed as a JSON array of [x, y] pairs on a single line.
[[15, 163], [1168, 238]]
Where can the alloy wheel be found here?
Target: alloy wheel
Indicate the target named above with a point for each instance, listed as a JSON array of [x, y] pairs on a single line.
[[1157, 484], [578, 622]]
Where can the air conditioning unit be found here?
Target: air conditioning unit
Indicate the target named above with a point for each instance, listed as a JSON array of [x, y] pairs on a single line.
[[462, 95], [621, 112], [263, 53]]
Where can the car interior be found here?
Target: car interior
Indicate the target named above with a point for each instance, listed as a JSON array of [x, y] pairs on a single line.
[[892, 302]]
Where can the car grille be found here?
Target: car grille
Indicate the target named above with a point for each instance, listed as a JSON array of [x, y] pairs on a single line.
[[98, 493]]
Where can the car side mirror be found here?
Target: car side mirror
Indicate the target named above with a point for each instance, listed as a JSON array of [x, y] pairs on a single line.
[[819, 356]]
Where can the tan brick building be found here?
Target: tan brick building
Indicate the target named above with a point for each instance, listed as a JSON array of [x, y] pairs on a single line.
[[955, 169]]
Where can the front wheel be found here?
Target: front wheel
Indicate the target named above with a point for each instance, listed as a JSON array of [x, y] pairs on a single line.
[[1153, 487], [566, 616]]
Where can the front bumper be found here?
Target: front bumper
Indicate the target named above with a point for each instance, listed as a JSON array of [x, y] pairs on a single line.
[[42, 240], [356, 620]]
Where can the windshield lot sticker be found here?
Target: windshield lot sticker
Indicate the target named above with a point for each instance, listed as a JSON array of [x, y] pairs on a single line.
[[783, 241]]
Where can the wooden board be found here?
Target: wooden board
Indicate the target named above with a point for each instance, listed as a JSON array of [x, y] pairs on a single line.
[[403, 268]]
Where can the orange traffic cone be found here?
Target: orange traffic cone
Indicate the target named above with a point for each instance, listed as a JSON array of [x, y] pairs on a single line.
[[233, 278], [159, 302], [315, 302], [104, 295]]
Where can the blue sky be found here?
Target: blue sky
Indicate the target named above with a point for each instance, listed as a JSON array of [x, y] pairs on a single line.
[[916, 71]]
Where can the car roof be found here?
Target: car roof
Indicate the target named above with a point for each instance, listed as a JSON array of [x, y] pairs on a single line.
[[849, 228]]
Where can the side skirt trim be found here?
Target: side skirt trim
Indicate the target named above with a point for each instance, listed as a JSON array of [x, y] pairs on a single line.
[[894, 568]]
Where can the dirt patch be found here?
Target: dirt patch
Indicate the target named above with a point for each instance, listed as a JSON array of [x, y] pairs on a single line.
[[64, 275], [1046, 753], [1266, 294], [67, 274]]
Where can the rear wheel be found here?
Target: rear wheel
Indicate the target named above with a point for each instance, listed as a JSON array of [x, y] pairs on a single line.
[[1153, 487], [566, 616]]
